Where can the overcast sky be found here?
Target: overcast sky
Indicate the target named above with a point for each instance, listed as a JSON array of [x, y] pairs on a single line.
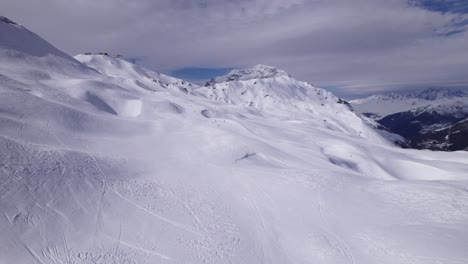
[[355, 47]]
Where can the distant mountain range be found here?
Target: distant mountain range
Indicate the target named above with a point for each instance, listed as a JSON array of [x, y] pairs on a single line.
[[434, 118]]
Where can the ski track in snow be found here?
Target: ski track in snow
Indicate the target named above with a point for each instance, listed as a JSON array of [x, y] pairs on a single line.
[[329, 229], [164, 219], [103, 162]]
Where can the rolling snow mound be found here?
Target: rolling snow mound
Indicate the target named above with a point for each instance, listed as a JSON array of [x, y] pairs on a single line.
[[103, 161]]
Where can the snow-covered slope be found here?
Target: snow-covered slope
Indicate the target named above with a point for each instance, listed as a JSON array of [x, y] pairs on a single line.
[[17, 38], [270, 89], [118, 67], [256, 72], [27, 56], [417, 116], [95, 168], [423, 126], [382, 105]]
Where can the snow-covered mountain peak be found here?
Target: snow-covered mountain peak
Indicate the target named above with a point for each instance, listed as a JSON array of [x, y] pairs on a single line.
[[429, 94], [264, 86], [432, 94], [456, 109], [386, 104], [258, 71]]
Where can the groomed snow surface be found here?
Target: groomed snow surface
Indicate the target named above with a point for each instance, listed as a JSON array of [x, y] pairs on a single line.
[[102, 161]]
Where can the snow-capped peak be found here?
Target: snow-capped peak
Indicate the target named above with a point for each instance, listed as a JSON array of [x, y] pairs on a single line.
[[258, 71], [454, 109], [432, 94], [387, 104], [429, 94]]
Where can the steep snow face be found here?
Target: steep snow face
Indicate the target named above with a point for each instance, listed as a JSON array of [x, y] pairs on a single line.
[[256, 72], [29, 57], [96, 169], [383, 105], [17, 38]]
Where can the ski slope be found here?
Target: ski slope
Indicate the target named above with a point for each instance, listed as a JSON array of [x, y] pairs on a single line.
[[102, 161]]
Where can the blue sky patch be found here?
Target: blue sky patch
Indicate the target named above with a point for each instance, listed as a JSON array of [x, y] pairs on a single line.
[[199, 74], [459, 7], [444, 6]]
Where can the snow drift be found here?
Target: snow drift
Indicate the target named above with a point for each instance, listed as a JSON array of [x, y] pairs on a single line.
[[102, 161]]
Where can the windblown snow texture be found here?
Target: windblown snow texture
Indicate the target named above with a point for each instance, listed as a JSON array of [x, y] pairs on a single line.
[[102, 161]]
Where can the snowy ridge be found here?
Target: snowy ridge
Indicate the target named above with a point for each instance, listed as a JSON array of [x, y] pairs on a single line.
[[456, 109], [100, 164], [272, 91], [19, 39], [432, 94], [418, 116], [28, 56], [256, 72], [118, 67], [279, 91], [429, 94], [6, 20], [383, 105]]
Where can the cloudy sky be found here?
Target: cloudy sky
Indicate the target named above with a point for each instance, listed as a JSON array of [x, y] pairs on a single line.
[[353, 47]]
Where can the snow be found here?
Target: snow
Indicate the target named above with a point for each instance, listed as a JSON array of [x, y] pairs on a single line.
[[132, 74], [102, 161], [256, 72], [17, 38], [293, 98], [457, 109], [384, 105]]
